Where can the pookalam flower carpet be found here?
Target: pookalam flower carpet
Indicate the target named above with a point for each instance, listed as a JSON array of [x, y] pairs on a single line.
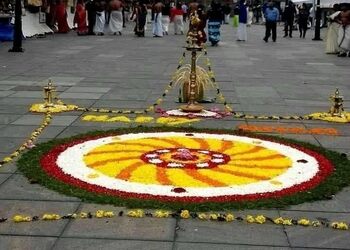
[[197, 169]]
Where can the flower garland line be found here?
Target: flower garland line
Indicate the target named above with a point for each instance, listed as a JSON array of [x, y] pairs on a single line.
[[139, 119], [145, 111], [185, 214], [62, 107], [29, 143], [288, 130], [219, 95]]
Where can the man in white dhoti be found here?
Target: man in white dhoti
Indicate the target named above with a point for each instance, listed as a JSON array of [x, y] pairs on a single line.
[[100, 18], [166, 17], [344, 32], [115, 17], [157, 29]]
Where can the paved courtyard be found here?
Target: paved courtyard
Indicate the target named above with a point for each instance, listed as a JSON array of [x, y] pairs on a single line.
[[289, 77]]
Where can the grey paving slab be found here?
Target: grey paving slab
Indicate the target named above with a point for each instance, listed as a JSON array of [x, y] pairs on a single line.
[[305, 248], [25, 130], [8, 145], [64, 80], [6, 87], [19, 101], [9, 167], [28, 88], [339, 203], [4, 177], [8, 118], [13, 109], [106, 244], [199, 231], [305, 138], [122, 227], [17, 82], [65, 52], [28, 94], [75, 130], [214, 124], [128, 94], [87, 90], [63, 120], [275, 123], [88, 96], [102, 125], [210, 246], [110, 56], [317, 237], [302, 103], [4, 93], [26, 242], [79, 102], [81, 47], [232, 233], [257, 92], [334, 141], [34, 208], [261, 101], [19, 187], [113, 104]]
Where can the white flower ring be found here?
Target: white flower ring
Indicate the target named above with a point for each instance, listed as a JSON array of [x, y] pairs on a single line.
[[190, 167]]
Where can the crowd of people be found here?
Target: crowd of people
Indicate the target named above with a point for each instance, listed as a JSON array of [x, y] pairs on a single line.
[[98, 17]]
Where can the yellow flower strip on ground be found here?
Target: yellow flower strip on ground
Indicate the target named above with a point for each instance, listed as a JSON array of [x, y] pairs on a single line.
[[248, 163]]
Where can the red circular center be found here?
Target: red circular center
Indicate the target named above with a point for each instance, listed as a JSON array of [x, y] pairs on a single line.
[[185, 158], [184, 155]]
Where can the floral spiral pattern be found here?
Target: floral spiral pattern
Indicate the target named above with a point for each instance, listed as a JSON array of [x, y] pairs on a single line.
[[178, 166]]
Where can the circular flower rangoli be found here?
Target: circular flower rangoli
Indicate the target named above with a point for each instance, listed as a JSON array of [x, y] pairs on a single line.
[[189, 167]]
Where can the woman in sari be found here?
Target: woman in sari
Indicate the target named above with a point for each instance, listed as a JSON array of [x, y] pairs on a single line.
[[61, 17], [139, 15], [215, 19], [80, 18], [332, 31]]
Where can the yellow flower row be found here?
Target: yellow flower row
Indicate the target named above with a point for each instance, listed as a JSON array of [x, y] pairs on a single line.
[[29, 143], [186, 214], [140, 119]]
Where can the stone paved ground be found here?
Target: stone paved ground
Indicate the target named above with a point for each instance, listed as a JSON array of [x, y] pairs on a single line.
[[292, 76]]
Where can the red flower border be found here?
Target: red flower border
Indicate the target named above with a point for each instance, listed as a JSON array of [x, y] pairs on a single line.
[[48, 163]]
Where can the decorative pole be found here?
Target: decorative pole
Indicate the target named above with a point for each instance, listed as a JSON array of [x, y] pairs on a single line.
[[318, 22], [194, 45], [17, 37], [337, 107], [48, 92]]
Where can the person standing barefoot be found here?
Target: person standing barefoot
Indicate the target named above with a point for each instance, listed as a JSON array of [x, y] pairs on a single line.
[[61, 17], [100, 18], [303, 18], [80, 18], [157, 29], [115, 17]]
